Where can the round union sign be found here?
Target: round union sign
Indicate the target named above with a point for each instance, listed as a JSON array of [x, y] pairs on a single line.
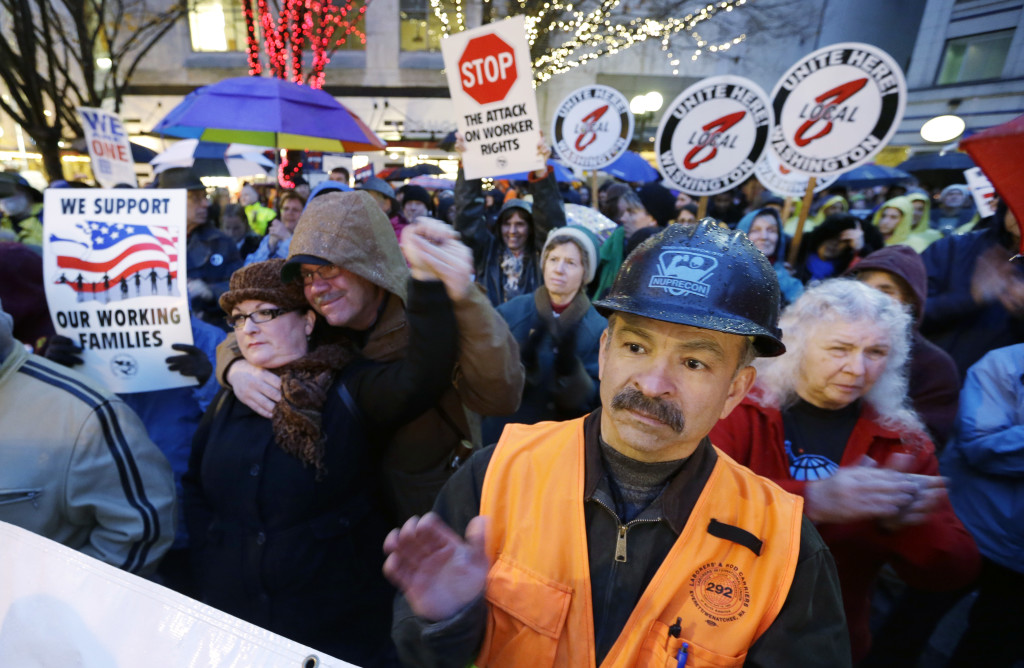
[[836, 108], [784, 181], [713, 134], [592, 127]]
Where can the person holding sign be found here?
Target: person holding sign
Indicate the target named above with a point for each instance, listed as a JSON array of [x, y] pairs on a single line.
[[625, 538], [507, 259]]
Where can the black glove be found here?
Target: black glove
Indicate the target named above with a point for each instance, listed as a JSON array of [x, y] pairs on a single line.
[[63, 350], [565, 359], [193, 363], [528, 354]]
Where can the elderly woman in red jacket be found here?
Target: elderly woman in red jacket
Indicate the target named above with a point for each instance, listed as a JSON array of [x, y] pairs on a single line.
[[830, 421]]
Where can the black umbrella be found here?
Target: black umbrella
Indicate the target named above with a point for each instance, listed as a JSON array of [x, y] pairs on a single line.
[[422, 169], [938, 170]]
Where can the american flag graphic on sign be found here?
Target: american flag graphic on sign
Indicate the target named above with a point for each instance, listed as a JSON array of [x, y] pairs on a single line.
[[115, 253]]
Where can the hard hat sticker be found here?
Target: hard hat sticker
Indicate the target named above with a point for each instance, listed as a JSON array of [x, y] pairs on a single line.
[[684, 272]]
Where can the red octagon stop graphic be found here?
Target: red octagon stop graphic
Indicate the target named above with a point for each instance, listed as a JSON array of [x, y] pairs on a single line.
[[488, 69]]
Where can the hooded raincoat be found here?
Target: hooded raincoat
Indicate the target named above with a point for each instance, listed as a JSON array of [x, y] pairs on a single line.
[[789, 284]]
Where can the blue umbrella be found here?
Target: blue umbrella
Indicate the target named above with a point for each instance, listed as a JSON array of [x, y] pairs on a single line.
[[269, 112], [562, 174], [632, 168], [870, 175]]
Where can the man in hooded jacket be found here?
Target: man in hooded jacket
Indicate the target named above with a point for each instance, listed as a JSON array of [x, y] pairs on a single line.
[[345, 250]]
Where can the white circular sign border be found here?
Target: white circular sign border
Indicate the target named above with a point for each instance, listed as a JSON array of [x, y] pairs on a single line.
[[571, 156], [762, 133], [779, 139]]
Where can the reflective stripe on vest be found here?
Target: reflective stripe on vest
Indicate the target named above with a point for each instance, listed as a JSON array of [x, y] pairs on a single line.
[[538, 588]]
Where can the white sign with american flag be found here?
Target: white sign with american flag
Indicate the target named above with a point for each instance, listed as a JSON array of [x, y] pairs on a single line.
[[113, 265]]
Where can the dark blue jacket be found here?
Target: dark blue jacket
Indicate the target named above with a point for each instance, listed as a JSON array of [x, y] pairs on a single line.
[[548, 394], [212, 257], [952, 319]]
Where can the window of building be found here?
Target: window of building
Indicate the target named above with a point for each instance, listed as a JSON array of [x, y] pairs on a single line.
[[420, 28], [974, 57], [219, 25]]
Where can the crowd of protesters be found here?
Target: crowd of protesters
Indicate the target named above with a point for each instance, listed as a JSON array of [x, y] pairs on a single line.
[[354, 344]]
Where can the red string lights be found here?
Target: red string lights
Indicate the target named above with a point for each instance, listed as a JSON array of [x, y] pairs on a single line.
[[319, 26]]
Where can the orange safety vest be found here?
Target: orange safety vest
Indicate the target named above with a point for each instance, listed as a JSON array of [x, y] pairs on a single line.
[[538, 588]]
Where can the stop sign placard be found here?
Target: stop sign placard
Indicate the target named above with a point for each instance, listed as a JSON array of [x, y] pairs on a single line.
[[490, 80], [487, 69]]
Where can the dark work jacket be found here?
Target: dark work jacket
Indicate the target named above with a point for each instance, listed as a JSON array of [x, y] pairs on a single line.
[[211, 257], [810, 630], [952, 320], [486, 242], [301, 557]]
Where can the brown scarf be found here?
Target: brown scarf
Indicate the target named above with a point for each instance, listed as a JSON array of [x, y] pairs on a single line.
[[569, 318], [298, 417]]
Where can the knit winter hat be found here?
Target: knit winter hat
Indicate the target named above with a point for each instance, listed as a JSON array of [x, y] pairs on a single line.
[[659, 202], [417, 194], [262, 281], [583, 237]]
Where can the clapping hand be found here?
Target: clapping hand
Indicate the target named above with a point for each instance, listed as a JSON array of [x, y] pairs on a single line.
[[438, 572]]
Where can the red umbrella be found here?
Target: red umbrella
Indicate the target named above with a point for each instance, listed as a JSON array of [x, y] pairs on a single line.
[[998, 152]]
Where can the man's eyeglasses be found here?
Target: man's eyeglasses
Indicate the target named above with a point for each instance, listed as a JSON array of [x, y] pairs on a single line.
[[237, 321], [325, 273]]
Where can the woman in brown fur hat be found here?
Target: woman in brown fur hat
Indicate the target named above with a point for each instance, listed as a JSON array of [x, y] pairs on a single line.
[[285, 515]]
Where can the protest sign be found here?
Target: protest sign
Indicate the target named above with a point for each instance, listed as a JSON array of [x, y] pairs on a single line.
[[982, 191], [836, 108], [109, 148], [61, 608], [713, 134], [785, 182], [114, 273], [490, 78], [592, 127]]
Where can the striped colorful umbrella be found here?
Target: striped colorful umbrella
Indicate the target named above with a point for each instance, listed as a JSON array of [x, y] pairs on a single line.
[[269, 112]]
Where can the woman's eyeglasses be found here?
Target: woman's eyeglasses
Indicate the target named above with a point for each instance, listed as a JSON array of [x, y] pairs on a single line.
[[237, 321]]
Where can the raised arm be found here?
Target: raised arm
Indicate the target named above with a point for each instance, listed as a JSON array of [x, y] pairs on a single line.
[[548, 208], [470, 212], [416, 382]]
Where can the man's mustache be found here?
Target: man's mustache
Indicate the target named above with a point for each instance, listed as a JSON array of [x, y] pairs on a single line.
[[632, 399]]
